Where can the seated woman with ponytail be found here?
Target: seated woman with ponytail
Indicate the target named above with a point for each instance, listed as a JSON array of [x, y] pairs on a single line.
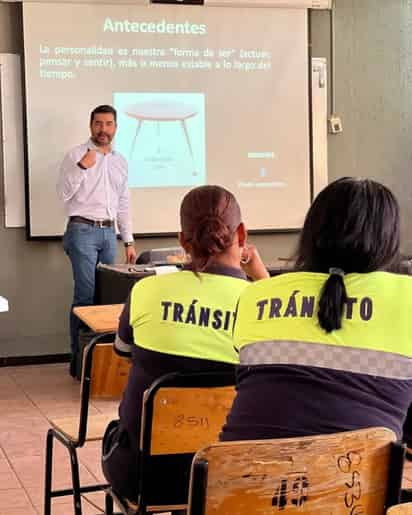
[[328, 348], [181, 321]]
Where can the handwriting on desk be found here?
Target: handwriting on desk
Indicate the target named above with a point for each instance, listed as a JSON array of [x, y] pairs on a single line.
[[349, 464], [291, 490], [191, 421]]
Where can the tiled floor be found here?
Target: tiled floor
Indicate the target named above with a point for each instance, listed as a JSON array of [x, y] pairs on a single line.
[[28, 397]]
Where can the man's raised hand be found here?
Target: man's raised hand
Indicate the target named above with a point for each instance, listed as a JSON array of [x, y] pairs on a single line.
[[89, 158]]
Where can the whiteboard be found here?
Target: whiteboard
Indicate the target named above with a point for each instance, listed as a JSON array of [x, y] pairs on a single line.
[[12, 139], [319, 124]]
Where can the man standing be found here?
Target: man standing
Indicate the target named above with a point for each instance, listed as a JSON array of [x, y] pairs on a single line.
[[94, 189]]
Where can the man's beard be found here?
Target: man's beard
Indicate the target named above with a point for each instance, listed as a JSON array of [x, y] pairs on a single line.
[[99, 143]]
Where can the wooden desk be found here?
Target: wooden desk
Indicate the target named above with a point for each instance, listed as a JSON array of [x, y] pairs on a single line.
[[101, 319]]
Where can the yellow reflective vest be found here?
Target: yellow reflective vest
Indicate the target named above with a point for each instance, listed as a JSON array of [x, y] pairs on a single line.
[[277, 323], [187, 315]]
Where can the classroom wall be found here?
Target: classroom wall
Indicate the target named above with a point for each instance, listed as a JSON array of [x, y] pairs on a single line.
[[374, 92], [374, 95]]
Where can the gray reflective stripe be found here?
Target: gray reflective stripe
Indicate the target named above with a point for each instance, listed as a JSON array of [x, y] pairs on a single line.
[[361, 361], [122, 346]]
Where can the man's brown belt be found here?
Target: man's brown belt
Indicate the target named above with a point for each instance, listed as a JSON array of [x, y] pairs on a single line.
[[95, 223]]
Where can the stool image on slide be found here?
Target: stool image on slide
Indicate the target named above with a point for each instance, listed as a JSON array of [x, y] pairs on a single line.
[[163, 136]]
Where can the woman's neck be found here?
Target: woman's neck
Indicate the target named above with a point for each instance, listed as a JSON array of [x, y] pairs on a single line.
[[230, 259]]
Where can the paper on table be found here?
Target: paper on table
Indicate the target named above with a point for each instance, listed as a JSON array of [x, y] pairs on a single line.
[[4, 305], [160, 270]]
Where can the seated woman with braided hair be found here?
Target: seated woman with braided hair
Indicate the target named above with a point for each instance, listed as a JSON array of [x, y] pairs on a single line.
[[181, 322], [328, 348]]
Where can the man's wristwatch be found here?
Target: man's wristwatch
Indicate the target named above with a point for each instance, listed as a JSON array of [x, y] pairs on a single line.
[[128, 243]]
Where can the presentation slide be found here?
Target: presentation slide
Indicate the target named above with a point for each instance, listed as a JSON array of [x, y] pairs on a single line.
[[204, 95]]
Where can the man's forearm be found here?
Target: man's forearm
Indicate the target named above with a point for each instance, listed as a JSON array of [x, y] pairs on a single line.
[[125, 226], [71, 177]]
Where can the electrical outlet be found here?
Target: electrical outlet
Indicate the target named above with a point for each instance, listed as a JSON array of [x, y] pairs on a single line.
[[335, 125]]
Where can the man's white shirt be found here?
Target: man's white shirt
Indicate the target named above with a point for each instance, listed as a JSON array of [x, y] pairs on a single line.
[[98, 193]]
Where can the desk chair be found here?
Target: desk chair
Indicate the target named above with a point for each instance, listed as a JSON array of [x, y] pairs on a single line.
[[181, 413], [401, 509], [349, 473], [74, 432], [161, 112]]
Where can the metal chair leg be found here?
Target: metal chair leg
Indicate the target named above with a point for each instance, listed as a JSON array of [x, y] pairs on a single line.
[[48, 473], [77, 501], [406, 495], [108, 501]]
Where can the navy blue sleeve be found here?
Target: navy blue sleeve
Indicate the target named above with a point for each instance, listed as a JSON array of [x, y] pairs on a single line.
[[124, 338]]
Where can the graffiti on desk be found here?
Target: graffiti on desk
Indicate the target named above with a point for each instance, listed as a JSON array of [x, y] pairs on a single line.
[[190, 421], [349, 464], [291, 490]]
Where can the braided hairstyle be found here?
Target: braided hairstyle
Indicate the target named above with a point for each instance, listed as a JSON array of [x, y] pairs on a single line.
[[209, 217], [353, 225]]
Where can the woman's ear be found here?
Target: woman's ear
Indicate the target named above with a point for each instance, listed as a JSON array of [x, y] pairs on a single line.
[[241, 234]]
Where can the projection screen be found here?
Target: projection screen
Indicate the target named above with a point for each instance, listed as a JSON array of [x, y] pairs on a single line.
[[205, 95]]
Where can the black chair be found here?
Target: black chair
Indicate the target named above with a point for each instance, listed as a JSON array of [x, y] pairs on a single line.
[[74, 432], [181, 412]]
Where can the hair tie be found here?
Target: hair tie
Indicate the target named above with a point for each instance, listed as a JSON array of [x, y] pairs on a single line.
[[336, 271]]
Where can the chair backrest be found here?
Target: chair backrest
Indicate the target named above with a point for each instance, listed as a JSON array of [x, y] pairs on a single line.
[[350, 473], [181, 413], [109, 373], [91, 371], [401, 509]]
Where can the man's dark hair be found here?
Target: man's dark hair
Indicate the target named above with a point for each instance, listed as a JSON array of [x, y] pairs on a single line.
[[353, 225], [103, 109]]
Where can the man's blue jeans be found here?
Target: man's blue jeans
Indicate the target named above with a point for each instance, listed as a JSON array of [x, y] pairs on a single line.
[[86, 246]]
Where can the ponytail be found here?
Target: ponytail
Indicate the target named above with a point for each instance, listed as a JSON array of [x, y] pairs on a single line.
[[209, 217], [332, 300], [210, 237]]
